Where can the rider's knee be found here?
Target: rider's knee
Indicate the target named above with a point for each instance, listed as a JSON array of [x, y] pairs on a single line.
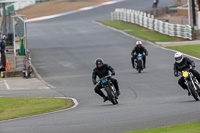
[[180, 82], [96, 89]]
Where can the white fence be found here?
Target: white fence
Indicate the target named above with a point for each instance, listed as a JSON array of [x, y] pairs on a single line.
[[19, 5], [148, 21]]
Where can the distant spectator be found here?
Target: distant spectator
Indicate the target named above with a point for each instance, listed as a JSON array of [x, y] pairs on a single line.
[[2, 50], [155, 3], [2, 68], [2, 44]]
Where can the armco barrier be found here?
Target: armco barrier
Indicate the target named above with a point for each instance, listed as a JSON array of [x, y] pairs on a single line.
[[148, 21]]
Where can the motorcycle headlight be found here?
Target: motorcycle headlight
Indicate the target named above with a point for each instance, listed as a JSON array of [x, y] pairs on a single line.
[[139, 56], [185, 74]]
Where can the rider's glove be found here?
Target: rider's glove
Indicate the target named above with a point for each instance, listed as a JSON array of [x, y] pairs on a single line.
[[192, 66], [176, 74], [146, 54], [94, 82]]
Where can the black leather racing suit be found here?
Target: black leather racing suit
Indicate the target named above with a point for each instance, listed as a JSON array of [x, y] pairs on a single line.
[[138, 50], [102, 72], [185, 64]]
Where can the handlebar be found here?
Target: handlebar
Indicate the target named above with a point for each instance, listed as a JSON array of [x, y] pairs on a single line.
[[144, 54], [188, 69], [103, 78]]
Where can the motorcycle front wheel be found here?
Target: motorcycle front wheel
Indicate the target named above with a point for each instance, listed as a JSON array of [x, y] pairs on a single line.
[[139, 66], [198, 89], [192, 90], [111, 95]]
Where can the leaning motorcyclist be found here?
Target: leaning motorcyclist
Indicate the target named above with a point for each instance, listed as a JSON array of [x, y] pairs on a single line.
[[139, 49], [101, 70], [182, 64]]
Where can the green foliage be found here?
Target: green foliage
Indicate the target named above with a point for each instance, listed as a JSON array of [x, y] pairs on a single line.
[[182, 128], [140, 32], [188, 49]]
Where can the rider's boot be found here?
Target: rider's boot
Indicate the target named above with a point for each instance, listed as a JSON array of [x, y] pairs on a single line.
[[105, 99], [118, 93], [144, 65], [188, 92], [133, 64]]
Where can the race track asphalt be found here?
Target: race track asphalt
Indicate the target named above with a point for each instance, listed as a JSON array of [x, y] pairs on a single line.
[[63, 51]]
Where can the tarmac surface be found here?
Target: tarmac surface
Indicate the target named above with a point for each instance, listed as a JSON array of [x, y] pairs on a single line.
[[64, 49], [32, 86]]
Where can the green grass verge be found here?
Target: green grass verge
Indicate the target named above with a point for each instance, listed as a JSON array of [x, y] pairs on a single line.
[[188, 49], [15, 107], [182, 128], [140, 32]]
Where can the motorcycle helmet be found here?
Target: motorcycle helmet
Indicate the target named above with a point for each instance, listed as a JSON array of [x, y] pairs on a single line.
[[139, 42], [99, 62], [178, 57]]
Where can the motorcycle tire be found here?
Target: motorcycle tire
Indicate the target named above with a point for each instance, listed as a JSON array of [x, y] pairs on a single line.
[[111, 95], [192, 90], [198, 89], [139, 66]]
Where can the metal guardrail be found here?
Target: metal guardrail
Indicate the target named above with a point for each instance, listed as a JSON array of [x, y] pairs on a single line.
[[146, 20]]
